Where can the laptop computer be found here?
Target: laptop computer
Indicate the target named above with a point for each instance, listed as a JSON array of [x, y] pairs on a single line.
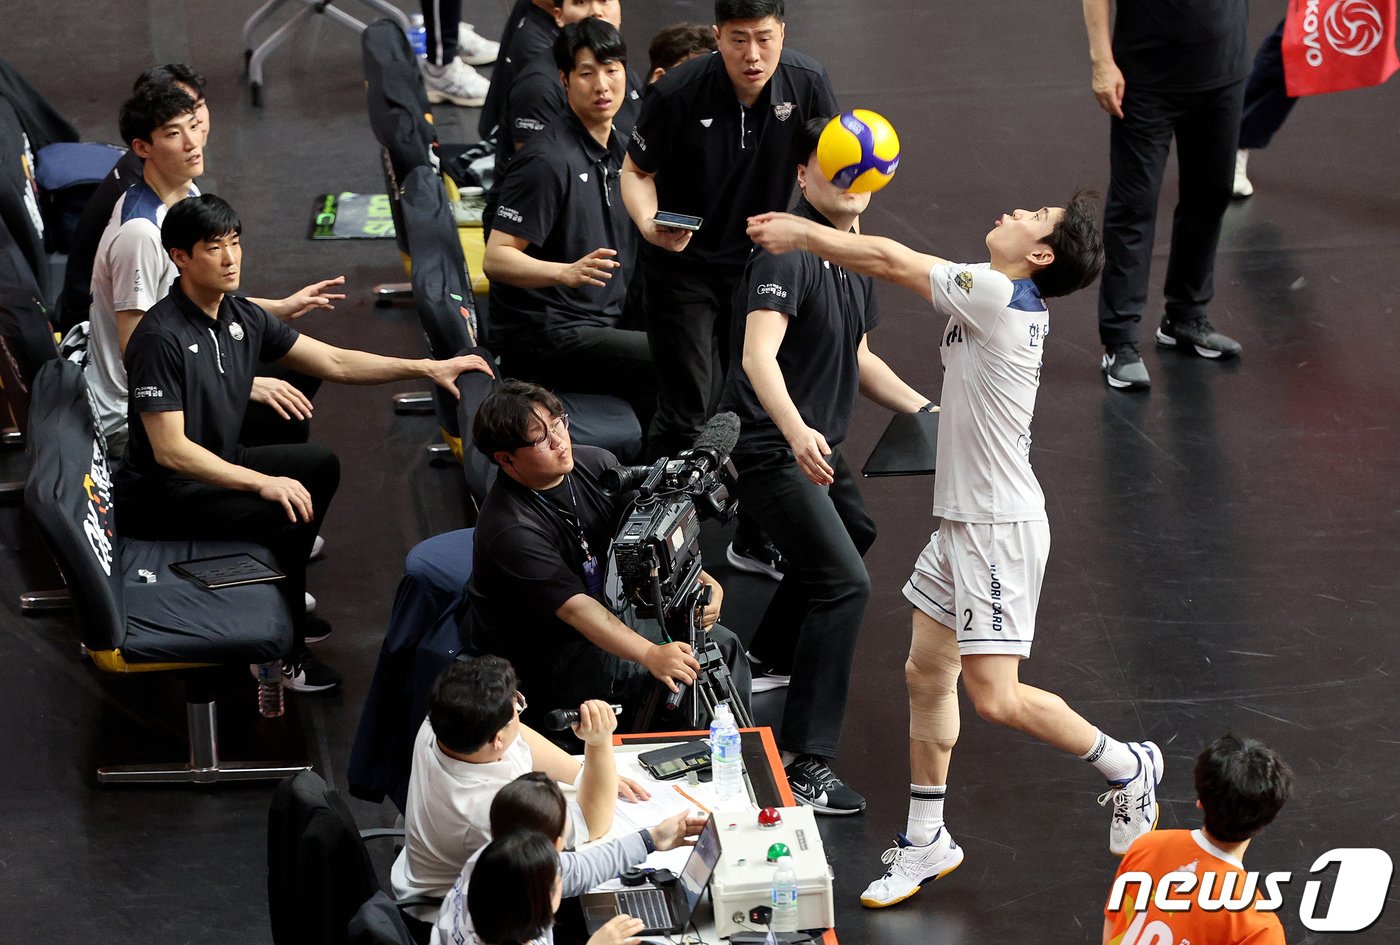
[[666, 911], [908, 447]]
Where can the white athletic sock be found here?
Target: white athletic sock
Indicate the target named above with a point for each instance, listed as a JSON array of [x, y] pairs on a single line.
[[1114, 759], [925, 812]]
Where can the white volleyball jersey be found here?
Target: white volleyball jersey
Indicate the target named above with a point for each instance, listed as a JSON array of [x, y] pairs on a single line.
[[991, 354]]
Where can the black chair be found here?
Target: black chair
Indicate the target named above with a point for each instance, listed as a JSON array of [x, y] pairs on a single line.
[[127, 624], [473, 388], [319, 873], [19, 198]]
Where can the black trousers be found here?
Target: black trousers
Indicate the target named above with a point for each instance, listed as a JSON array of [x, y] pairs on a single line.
[[183, 509], [1205, 126], [440, 18], [261, 424], [1266, 100], [811, 625], [688, 318], [590, 359]]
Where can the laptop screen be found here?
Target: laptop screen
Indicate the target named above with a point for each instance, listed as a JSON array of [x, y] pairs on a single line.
[[700, 866]]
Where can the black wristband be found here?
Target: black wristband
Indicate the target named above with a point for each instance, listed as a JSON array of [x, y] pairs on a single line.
[[929, 407], [647, 842]]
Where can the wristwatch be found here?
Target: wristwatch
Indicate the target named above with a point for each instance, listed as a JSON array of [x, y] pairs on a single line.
[[929, 407]]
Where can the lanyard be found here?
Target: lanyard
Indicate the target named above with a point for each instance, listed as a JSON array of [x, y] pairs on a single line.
[[592, 571]]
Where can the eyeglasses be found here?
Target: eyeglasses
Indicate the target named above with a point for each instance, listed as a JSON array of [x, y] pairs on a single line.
[[518, 700], [554, 433]]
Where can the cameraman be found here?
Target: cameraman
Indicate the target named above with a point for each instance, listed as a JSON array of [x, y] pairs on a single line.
[[540, 556]]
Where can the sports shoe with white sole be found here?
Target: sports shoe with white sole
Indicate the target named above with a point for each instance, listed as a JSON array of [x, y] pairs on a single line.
[[765, 560], [814, 783], [1200, 335], [455, 82], [473, 48], [305, 673], [1135, 808], [1242, 187], [910, 867], [1123, 368]]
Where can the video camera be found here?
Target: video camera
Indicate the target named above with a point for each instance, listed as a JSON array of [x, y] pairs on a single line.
[[657, 545]]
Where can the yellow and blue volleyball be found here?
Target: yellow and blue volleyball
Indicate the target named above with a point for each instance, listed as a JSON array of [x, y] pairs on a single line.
[[858, 151]]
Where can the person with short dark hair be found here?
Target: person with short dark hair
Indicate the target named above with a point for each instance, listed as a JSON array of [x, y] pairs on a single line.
[[536, 595], [472, 744], [716, 139], [562, 250], [1241, 785], [132, 271], [191, 362], [673, 45], [516, 893], [533, 802], [800, 357], [976, 586]]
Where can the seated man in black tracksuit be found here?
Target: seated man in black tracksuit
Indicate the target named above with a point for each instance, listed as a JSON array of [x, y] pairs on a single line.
[[190, 364], [563, 249], [536, 592]]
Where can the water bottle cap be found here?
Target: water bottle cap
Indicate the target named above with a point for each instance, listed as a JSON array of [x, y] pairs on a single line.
[[777, 851]]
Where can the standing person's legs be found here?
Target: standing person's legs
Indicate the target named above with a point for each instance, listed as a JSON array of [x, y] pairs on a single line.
[[440, 19], [683, 315], [1266, 99], [1207, 135], [1138, 146]]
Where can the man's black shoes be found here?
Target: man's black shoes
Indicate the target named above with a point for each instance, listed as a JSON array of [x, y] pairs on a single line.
[[814, 783]]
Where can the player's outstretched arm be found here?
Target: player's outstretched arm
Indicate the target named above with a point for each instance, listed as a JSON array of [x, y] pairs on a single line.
[[874, 256]]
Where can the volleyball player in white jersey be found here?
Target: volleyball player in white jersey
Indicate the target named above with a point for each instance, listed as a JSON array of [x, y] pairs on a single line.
[[976, 584]]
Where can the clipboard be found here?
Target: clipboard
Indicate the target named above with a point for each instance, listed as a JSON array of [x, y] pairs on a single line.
[[227, 571], [908, 447]]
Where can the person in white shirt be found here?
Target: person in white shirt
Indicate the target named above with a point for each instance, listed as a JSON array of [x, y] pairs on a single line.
[[471, 745], [976, 585]]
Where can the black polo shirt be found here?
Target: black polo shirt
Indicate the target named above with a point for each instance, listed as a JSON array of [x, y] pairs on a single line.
[[529, 561], [717, 159], [529, 30], [829, 311], [1182, 45], [537, 98], [178, 358], [562, 195]]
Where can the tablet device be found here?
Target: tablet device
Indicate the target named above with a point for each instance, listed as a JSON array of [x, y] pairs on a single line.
[[908, 447], [227, 571]]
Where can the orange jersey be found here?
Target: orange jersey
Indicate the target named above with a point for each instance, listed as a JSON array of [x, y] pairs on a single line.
[[1138, 922]]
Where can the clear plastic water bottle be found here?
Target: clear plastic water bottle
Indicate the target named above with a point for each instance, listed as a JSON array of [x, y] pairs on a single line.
[[418, 35], [784, 896], [270, 698], [726, 759]]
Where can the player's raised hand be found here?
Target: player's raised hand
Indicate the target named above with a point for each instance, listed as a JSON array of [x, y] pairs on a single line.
[[778, 232]]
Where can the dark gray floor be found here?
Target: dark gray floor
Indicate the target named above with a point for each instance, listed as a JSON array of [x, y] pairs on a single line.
[[1225, 556]]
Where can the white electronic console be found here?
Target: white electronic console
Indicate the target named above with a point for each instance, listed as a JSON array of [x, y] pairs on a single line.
[[743, 879]]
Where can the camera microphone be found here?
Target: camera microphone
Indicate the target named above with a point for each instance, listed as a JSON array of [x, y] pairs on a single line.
[[714, 444], [560, 719]]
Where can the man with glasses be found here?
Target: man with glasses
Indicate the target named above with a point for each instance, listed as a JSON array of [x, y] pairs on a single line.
[[470, 746], [536, 595]]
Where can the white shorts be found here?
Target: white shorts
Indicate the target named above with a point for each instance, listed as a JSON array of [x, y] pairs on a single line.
[[983, 581]]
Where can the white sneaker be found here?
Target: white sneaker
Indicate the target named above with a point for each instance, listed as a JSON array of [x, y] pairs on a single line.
[[455, 82], [1135, 807], [1243, 188], [910, 867], [475, 50]]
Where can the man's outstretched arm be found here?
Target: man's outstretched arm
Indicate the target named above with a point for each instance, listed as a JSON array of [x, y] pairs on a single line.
[[874, 256]]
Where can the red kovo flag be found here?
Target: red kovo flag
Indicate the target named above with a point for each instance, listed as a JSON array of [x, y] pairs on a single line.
[[1334, 45]]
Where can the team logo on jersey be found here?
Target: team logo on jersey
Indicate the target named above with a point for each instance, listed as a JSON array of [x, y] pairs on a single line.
[[963, 280], [640, 141], [136, 280], [147, 393], [529, 124], [236, 330], [194, 349], [707, 122], [783, 110], [583, 177], [771, 288], [510, 213]]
